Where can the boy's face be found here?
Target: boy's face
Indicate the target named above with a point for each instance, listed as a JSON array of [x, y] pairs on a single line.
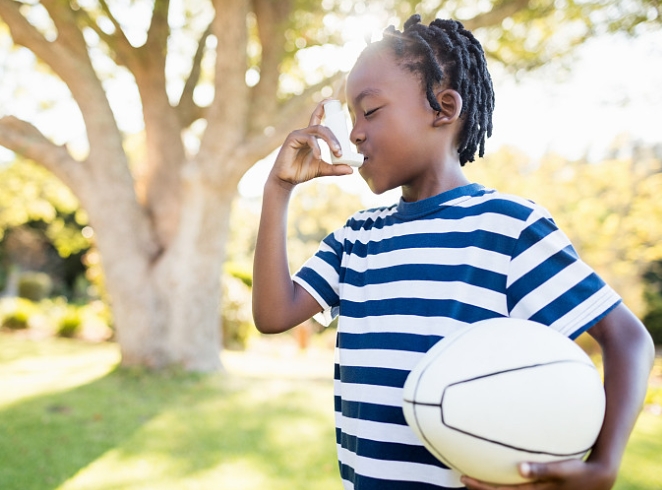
[[393, 127]]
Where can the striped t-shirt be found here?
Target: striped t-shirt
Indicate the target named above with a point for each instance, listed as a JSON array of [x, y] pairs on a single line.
[[403, 277]]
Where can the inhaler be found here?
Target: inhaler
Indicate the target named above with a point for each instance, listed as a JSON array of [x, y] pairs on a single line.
[[336, 121]]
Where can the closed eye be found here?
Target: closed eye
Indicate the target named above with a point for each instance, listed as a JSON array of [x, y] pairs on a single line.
[[370, 112]]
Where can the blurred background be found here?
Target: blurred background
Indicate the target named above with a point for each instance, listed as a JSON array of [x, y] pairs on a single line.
[[135, 138]]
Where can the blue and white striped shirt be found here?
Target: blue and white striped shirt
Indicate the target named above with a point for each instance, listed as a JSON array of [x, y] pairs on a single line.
[[403, 277]]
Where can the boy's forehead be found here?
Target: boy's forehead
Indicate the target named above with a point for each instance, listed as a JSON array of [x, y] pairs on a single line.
[[373, 74]]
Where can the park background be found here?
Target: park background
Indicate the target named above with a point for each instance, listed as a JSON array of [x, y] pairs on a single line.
[[137, 136]]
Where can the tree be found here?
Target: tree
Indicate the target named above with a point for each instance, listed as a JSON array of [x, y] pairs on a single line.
[[161, 223]]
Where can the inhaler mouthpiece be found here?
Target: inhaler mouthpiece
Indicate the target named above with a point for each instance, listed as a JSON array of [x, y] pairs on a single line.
[[336, 121]]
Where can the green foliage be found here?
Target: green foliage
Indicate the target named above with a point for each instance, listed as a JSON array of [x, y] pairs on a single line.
[[653, 298], [42, 228], [57, 317], [29, 193], [17, 320], [15, 313], [35, 286], [236, 315], [244, 274], [653, 322], [70, 323]]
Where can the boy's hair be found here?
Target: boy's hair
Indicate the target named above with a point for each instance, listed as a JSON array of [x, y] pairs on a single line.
[[446, 52]]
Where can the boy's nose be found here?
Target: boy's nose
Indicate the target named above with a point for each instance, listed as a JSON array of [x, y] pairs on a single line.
[[356, 136]]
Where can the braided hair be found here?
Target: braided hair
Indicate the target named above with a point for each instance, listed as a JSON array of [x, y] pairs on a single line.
[[446, 52]]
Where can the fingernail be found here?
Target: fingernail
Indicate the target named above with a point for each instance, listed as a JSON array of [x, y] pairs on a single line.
[[525, 469]]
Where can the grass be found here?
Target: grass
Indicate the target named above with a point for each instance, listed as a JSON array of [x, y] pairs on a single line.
[[71, 420]]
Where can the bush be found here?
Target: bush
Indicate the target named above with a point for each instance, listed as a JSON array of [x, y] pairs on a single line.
[[236, 316], [653, 322], [18, 313], [653, 299], [70, 324], [35, 286], [18, 320]]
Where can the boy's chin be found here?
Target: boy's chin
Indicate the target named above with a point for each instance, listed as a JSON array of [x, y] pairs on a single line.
[[376, 187]]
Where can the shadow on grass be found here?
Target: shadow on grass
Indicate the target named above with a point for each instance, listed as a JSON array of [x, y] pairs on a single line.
[[48, 439], [130, 428]]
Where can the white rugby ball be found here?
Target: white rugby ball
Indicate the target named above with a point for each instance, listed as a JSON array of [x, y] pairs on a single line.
[[501, 392]]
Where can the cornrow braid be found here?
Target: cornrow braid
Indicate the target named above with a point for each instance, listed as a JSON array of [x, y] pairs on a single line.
[[445, 52]]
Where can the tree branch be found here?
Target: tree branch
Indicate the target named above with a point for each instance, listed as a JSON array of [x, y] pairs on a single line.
[[496, 15], [22, 32], [271, 20], [67, 56], [293, 114], [121, 49], [69, 35], [25, 139], [187, 109], [156, 46], [230, 91]]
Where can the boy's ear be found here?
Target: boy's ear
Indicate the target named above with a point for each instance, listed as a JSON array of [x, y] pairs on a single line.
[[451, 107]]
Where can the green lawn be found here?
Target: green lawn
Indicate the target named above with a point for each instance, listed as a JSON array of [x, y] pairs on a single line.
[[69, 419]]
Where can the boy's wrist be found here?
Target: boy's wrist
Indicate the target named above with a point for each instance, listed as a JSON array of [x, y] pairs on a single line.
[[605, 466], [279, 185]]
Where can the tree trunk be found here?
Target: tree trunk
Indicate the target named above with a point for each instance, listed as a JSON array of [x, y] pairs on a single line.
[[166, 309], [188, 274]]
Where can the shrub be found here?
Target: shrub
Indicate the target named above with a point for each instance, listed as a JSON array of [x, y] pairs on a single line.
[[653, 298], [70, 323], [18, 313], [35, 286], [653, 322], [17, 320], [242, 273], [236, 317]]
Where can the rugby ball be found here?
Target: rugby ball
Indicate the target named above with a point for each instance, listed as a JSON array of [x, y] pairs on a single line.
[[504, 391]]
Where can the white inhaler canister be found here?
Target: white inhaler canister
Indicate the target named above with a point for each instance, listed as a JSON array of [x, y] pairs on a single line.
[[336, 121]]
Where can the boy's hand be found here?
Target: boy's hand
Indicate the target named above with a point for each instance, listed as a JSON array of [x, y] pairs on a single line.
[[571, 474], [300, 157]]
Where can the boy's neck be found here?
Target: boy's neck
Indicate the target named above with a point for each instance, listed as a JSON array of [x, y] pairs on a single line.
[[445, 178]]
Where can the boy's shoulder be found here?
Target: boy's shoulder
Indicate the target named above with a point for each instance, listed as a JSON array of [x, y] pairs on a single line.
[[494, 201]]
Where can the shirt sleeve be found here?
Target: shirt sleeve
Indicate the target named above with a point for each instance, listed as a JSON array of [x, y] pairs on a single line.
[[548, 283], [320, 276]]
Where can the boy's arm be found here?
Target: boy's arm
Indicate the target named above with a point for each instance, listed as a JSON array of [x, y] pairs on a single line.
[[628, 354], [278, 302]]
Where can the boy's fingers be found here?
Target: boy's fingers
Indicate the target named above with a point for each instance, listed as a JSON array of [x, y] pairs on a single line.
[[322, 131], [317, 115], [550, 471], [328, 169], [313, 132]]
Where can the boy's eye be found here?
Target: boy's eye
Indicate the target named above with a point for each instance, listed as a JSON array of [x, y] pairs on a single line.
[[370, 112]]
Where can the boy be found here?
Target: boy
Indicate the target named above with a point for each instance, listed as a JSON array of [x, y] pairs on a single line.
[[450, 253]]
